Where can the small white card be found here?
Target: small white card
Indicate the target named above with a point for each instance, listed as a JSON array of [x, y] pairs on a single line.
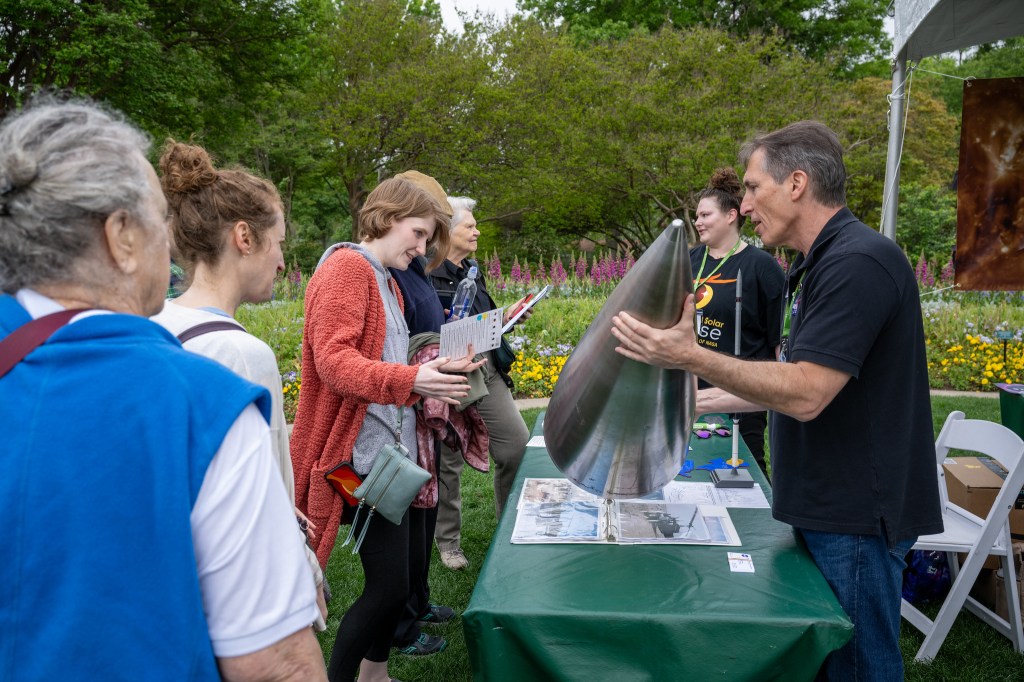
[[535, 442], [740, 562]]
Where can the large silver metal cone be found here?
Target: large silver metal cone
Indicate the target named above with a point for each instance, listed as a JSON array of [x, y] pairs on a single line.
[[616, 427]]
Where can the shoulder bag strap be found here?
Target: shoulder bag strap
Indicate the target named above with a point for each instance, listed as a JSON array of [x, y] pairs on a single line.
[[207, 327], [30, 336]]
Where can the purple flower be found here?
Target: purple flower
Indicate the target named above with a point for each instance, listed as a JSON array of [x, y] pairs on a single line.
[[924, 276], [516, 274], [596, 273], [526, 277], [558, 275], [542, 274], [947, 273], [581, 267], [494, 267]]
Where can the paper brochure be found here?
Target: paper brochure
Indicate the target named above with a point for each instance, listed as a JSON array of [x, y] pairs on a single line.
[[483, 331], [552, 510]]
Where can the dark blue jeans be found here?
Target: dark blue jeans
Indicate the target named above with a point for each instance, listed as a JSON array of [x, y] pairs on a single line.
[[867, 578]]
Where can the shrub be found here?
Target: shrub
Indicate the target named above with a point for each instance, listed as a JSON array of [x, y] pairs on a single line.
[[959, 326]]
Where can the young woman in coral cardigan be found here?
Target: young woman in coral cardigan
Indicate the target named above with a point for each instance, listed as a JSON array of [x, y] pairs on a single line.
[[355, 383]]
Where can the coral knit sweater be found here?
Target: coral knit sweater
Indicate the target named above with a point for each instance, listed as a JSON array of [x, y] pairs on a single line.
[[342, 373]]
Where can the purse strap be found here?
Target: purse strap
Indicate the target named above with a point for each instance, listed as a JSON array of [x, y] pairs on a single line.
[[207, 327], [398, 430], [30, 336]]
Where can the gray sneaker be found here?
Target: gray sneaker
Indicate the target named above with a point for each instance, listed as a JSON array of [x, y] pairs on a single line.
[[454, 559], [424, 645]]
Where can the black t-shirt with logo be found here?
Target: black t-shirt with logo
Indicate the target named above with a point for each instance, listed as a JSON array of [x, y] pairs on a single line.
[[868, 460], [761, 308]]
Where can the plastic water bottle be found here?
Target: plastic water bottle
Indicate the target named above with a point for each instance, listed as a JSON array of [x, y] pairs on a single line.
[[462, 303]]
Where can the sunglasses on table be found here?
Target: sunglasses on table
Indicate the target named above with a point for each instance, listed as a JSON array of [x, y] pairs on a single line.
[[702, 430]]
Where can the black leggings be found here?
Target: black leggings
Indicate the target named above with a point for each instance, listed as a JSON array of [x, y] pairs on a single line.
[[421, 544], [368, 626]]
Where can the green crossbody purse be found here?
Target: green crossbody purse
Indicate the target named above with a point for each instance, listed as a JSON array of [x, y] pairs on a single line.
[[390, 487]]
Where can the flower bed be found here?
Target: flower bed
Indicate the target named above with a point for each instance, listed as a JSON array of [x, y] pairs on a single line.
[[960, 327]]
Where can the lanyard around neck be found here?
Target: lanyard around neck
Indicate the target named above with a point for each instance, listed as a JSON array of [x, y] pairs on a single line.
[[788, 301], [697, 281]]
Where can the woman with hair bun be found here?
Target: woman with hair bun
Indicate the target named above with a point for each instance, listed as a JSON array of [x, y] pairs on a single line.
[[141, 503], [722, 254], [227, 228]]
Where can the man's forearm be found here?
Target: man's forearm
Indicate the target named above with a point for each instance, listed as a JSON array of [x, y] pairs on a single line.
[[800, 390], [711, 400]]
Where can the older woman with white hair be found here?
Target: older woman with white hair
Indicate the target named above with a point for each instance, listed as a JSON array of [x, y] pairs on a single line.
[[141, 501], [508, 432]]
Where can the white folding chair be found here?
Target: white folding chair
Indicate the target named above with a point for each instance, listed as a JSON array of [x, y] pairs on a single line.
[[966, 532]]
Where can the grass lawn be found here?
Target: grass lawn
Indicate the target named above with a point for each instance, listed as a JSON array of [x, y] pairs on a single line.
[[971, 653]]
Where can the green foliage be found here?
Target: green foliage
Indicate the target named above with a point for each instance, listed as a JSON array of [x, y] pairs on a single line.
[[929, 152], [171, 66], [560, 139], [1001, 60], [389, 87], [560, 320], [279, 324], [962, 351], [848, 29], [611, 140], [927, 220]]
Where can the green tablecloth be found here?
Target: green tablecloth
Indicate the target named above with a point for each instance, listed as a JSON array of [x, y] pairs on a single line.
[[651, 612]]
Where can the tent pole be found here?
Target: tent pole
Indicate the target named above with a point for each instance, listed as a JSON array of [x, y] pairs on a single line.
[[891, 188]]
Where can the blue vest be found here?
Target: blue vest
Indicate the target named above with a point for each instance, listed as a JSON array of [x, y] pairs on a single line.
[[106, 432]]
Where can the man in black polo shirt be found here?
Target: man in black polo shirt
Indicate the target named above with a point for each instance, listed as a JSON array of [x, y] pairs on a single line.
[[853, 466]]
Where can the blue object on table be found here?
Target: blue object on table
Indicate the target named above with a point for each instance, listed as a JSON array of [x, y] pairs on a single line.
[[687, 468], [720, 463]]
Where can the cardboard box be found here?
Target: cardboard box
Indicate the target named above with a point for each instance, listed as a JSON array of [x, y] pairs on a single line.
[[973, 483], [1000, 584], [984, 589]]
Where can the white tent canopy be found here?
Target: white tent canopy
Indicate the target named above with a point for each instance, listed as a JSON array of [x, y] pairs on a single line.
[[929, 27]]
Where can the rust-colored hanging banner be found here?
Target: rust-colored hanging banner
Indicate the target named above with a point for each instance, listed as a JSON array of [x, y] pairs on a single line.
[[990, 187]]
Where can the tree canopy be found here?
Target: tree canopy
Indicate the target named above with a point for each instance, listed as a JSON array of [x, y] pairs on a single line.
[[850, 29], [585, 120]]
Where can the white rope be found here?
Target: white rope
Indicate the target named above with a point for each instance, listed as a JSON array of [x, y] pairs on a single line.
[[967, 80], [935, 291]]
